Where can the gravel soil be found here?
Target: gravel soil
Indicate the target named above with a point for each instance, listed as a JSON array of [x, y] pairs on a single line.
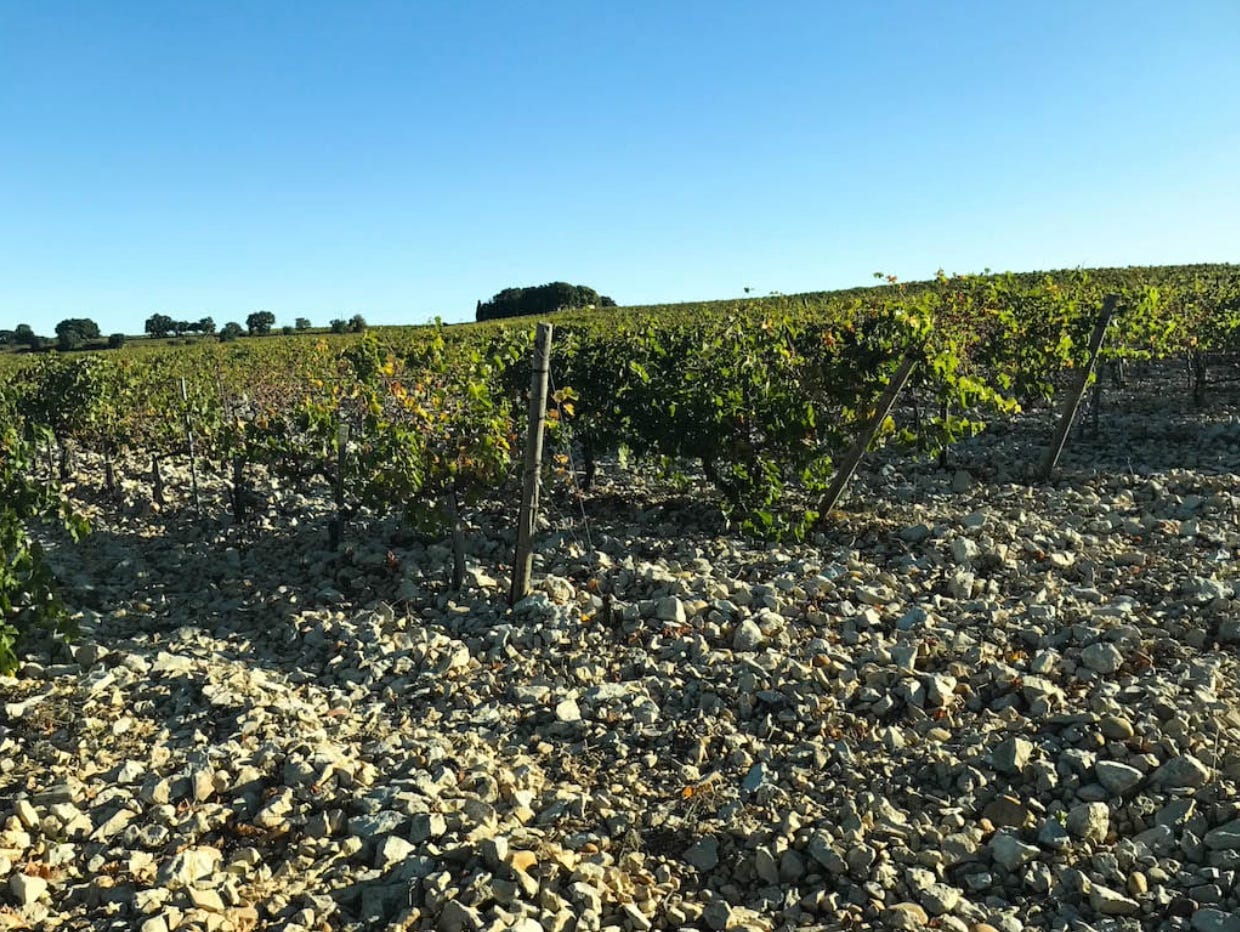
[[969, 703]]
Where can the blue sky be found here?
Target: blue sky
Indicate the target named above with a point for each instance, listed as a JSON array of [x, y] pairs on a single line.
[[402, 160]]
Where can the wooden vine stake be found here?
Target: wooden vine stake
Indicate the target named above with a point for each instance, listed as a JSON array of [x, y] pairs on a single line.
[[335, 528], [852, 459], [458, 538], [523, 564], [189, 439], [1072, 403]]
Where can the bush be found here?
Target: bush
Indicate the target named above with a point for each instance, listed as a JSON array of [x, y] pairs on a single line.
[[339, 326], [28, 597], [230, 332], [116, 341]]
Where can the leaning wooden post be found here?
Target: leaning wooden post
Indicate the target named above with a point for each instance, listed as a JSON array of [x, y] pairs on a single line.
[[189, 439], [523, 565], [1073, 402], [1096, 408], [852, 459]]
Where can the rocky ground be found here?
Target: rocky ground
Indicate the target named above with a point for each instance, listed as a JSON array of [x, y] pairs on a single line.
[[970, 704]]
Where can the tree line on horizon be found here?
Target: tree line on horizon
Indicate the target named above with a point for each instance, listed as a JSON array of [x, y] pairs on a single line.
[[77, 333]]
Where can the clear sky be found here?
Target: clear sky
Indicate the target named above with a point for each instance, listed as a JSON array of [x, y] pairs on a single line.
[[403, 159]]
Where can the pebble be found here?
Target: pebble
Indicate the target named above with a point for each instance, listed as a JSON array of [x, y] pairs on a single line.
[[1102, 657], [1116, 777], [1010, 852], [1116, 728], [1110, 903], [1089, 821], [1184, 770], [717, 915], [27, 888], [1011, 755], [703, 854], [1006, 811], [905, 916], [567, 711], [748, 636], [940, 898]]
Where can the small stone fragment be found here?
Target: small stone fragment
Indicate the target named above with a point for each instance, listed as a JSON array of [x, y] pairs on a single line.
[[748, 636], [1102, 657], [1116, 777], [1116, 728], [1010, 851], [1181, 771], [1108, 902], [905, 916], [1089, 821], [1011, 755], [27, 888], [704, 854]]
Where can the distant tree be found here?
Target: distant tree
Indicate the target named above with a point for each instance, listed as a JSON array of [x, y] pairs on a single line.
[[7, 337], [540, 299], [159, 325], [287, 330], [339, 326], [260, 322], [357, 324], [230, 332], [75, 331], [116, 341], [206, 325], [302, 323], [25, 336]]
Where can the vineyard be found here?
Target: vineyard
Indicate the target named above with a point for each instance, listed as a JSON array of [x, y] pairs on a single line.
[[762, 396], [766, 403]]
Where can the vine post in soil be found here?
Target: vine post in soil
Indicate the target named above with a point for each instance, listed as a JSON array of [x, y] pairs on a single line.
[[335, 527], [1072, 402], [852, 459], [189, 440], [523, 564]]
